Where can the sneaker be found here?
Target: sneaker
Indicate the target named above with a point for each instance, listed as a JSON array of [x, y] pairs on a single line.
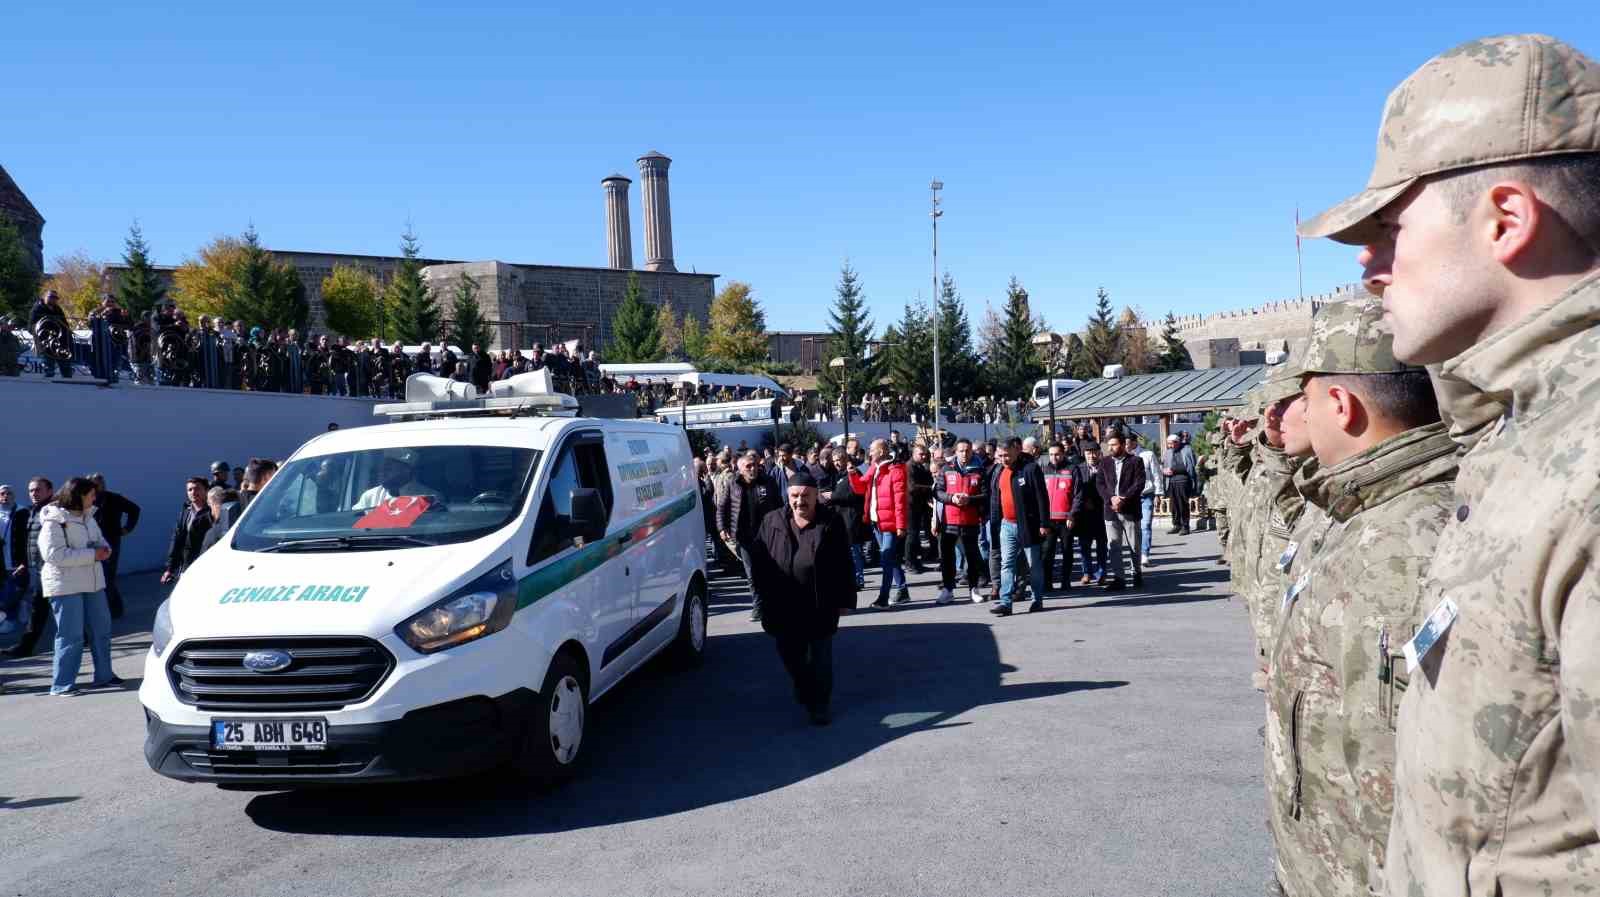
[[881, 604], [902, 596], [975, 596], [113, 682], [1001, 610], [1036, 606], [945, 597], [72, 692]]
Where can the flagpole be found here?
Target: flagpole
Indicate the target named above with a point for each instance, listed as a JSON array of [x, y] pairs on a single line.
[[1299, 267]]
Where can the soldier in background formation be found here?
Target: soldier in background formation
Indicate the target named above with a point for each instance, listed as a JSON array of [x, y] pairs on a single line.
[[1443, 528]]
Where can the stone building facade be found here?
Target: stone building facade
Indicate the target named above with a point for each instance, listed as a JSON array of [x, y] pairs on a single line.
[[16, 208]]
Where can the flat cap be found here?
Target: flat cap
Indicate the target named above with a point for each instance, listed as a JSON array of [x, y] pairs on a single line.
[[1495, 99]]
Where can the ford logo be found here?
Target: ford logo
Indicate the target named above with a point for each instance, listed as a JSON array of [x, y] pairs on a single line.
[[267, 661]]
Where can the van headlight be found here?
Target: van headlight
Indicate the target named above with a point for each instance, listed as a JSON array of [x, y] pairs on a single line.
[[478, 609], [161, 631]]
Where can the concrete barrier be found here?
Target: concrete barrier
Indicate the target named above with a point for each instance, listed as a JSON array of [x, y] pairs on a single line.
[[148, 439]]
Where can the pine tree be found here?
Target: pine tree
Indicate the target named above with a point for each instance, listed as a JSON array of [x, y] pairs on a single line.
[[694, 339], [19, 280], [408, 297], [850, 330], [1014, 364], [738, 327], [671, 331], [958, 361], [635, 333], [139, 288], [263, 291], [1080, 364], [1174, 355], [1100, 339], [468, 326], [910, 353]]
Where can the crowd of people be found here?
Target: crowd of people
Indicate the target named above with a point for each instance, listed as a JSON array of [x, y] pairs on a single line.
[[996, 515]]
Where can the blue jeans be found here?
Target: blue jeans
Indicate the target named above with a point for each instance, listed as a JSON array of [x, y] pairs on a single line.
[[894, 576], [858, 557], [71, 612], [1147, 514], [1010, 544]]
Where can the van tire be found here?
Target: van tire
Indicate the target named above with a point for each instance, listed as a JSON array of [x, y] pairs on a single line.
[[689, 648], [552, 745]]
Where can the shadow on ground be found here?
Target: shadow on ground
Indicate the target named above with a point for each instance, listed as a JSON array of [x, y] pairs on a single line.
[[666, 742]]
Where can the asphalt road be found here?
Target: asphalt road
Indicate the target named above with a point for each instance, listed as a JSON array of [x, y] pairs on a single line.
[[1107, 746]]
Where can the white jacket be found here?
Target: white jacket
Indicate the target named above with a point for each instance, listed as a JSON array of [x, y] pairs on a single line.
[[67, 543]]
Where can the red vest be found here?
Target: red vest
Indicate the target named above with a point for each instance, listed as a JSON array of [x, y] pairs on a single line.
[[1059, 487], [957, 483]]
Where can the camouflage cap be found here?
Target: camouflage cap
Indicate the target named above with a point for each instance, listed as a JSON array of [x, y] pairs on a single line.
[[1350, 338], [1283, 380], [1497, 99]]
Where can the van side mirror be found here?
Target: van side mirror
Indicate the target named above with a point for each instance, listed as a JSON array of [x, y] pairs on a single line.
[[588, 520]]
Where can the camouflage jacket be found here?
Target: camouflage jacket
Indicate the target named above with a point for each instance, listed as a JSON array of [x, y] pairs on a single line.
[[1354, 568], [1268, 509], [1223, 481], [1497, 776]]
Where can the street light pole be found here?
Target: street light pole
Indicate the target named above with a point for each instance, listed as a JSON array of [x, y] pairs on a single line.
[[1052, 343], [844, 384], [936, 213]]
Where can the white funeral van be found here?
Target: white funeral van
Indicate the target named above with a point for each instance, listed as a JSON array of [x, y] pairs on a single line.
[[432, 596]]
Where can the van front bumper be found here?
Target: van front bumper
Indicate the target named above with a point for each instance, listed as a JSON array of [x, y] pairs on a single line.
[[451, 739]]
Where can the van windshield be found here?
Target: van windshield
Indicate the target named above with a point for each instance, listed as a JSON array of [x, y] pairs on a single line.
[[389, 498]]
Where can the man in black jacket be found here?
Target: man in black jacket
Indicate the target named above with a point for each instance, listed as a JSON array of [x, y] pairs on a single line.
[[1121, 485], [1088, 515], [799, 556], [750, 497], [850, 505], [1019, 506], [919, 484], [190, 533], [25, 525], [117, 515]]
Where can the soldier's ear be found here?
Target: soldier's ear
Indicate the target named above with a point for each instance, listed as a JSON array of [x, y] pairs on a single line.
[[1344, 407]]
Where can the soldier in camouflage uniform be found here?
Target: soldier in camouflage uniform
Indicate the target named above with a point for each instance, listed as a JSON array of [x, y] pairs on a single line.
[[1481, 231], [1269, 508], [1377, 496]]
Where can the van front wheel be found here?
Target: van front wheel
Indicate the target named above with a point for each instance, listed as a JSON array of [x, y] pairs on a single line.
[[552, 743]]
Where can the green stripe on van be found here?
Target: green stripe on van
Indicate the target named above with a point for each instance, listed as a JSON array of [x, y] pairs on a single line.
[[556, 575]]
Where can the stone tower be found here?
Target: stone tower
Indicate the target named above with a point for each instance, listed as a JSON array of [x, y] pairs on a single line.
[[619, 231], [15, 207], [657, 212]]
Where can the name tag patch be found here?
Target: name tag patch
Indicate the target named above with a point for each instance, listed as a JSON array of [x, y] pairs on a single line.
[[1433, 628], [1294, 591]]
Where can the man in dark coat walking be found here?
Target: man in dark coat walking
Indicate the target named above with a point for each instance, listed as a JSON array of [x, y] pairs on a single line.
[[800, 558], [1121, 484], [117, 515], [749, 498]]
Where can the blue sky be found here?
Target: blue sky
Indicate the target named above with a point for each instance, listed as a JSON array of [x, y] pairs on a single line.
[[1157, 149]]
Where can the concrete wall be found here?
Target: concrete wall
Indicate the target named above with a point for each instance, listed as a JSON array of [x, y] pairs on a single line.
[[147, 440]]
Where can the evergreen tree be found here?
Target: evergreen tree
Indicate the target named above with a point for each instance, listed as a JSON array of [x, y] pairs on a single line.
[[409, 299], [694, 339], [19, 280], [1174, 355], [263, 291], [909, 354], [738, 326], [1100, 340], [468, 327], [139, 288], [850, 330], [958, 360], [350, 299], [635, 331], [1014, 364], [1080, 364]]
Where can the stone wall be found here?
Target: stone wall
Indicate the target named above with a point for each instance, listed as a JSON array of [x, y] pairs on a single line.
[[15, 207]]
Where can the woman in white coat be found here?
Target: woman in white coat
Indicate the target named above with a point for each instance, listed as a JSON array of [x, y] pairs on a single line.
[[72, 549]]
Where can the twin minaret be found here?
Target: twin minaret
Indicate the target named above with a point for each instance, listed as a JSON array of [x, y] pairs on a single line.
[[657, 216]]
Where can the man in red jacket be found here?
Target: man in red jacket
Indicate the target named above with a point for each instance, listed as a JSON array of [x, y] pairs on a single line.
[[888, 511]]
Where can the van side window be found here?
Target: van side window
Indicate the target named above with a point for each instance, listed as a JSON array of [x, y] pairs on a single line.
[[582, 465]]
